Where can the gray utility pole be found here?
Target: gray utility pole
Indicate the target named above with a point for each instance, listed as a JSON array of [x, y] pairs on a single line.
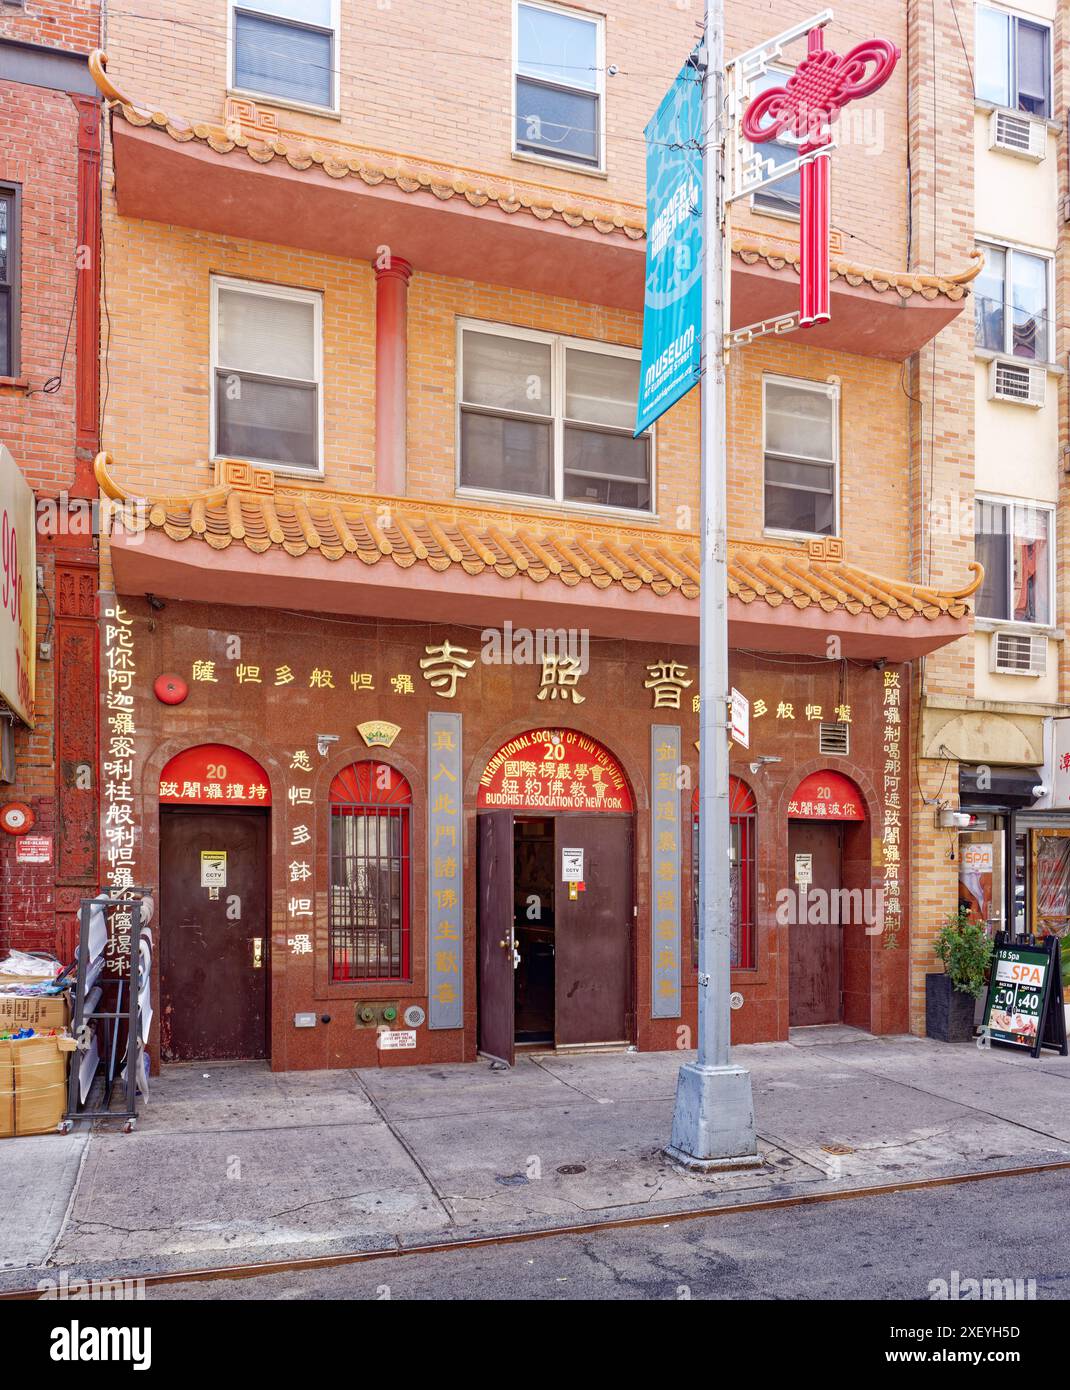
[[713, 1123]]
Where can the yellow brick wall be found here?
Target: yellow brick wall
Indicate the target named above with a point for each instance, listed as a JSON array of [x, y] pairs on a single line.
[[454, 59]]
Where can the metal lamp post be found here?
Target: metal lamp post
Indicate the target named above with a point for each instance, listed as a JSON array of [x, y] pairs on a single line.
[[713, 1123]]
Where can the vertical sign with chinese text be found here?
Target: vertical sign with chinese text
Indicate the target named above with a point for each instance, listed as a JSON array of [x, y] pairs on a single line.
[[665, 870], [445, 872]]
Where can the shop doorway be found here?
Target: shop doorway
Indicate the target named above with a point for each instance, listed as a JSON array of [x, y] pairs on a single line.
[[555, 962], [823, 807], [815, 851], [214, 937]]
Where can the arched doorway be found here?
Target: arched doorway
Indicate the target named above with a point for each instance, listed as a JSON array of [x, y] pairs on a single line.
[[556, 895], [214, 920], [821, 811]]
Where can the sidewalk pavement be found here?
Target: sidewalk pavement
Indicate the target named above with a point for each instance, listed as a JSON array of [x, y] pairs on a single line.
[[231, 1163]]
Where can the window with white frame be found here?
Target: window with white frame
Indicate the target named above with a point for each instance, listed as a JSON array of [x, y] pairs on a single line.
[[287, 49], [1013, 61], [267, 370], [1013, 540], [801, 444], [558, 84], [784, 196], [551, 417], [1012, 298]]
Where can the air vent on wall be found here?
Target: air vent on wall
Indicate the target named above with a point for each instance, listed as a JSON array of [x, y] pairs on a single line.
[[834, 739], [1016, 382], [1015, 134], [1018, 654]]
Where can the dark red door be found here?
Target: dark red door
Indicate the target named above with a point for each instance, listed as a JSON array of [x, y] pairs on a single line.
[[816, 946], [497, 1004], [593, 932], [213, 934]]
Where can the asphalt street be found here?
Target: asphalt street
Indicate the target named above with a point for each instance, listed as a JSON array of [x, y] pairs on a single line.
[[890, 1247]]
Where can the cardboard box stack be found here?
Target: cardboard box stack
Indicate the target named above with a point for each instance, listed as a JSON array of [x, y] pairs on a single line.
[[35, 1048]]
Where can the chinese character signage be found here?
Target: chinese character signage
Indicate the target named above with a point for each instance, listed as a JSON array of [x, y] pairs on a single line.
[[826, 795], [214, 773], [445, 872], [672, 312], [665, 870], [18, 590], [554, 770], [891, 841], [118, 731]]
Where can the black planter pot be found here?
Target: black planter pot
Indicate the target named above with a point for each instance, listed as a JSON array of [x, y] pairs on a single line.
[[948, 1012]]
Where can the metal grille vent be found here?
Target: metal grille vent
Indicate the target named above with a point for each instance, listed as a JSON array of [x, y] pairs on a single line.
[[834, 739]]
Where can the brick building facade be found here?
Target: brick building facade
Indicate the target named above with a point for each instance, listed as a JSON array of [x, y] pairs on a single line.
[[423, 256], [50, 177]]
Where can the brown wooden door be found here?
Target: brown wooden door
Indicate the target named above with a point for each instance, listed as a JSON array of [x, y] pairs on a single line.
[[816, 950], [593, 933], [497, 1003], [214, 994]]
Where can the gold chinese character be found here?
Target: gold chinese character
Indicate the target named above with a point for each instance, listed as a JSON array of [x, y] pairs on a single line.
[[402, 684], [248, 674], [560, 676], [283, 675], [696, 703], [785, 711], [444, 666], [361, 680], [300, 761], [813, 711], [322, 680], [667, 680], [205, 671], [760, 708], [843, 714]]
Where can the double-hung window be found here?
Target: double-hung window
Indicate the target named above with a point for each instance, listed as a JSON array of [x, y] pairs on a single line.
[[267, 374], [1014, 542], [286, 49], [9, 280], [558, 81], [1012, 299], [549, 417], [801, 443], [783, 196], [1013, 61]]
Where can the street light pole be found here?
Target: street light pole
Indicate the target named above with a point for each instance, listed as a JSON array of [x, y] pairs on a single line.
[[713, 1123]]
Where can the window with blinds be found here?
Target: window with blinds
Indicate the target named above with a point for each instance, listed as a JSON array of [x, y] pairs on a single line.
[[267, 374], [9, 281], [801, 442], [552, 417], [286, 49], [558, 85]]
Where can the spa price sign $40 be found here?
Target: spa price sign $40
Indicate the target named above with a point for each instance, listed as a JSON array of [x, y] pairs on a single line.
[[1024, 1007]]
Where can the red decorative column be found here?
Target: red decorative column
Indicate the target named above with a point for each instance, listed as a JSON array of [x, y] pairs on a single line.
[[391, 374]]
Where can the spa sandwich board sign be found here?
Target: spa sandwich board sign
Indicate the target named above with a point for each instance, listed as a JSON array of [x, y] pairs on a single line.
[[1024, 1007]]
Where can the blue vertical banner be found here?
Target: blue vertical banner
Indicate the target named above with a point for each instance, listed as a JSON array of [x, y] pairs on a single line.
[[672, 311]]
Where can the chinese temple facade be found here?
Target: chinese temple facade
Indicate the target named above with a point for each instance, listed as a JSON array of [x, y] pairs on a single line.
[[399, 625]]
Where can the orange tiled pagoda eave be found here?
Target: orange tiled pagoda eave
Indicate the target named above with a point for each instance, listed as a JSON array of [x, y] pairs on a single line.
[[256, 541], [249, 177]]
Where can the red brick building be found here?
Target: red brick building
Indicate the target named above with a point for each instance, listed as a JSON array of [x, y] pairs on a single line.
[[50, 126]]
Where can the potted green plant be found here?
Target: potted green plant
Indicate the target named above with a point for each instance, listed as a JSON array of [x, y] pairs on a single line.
[[965, 949]]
